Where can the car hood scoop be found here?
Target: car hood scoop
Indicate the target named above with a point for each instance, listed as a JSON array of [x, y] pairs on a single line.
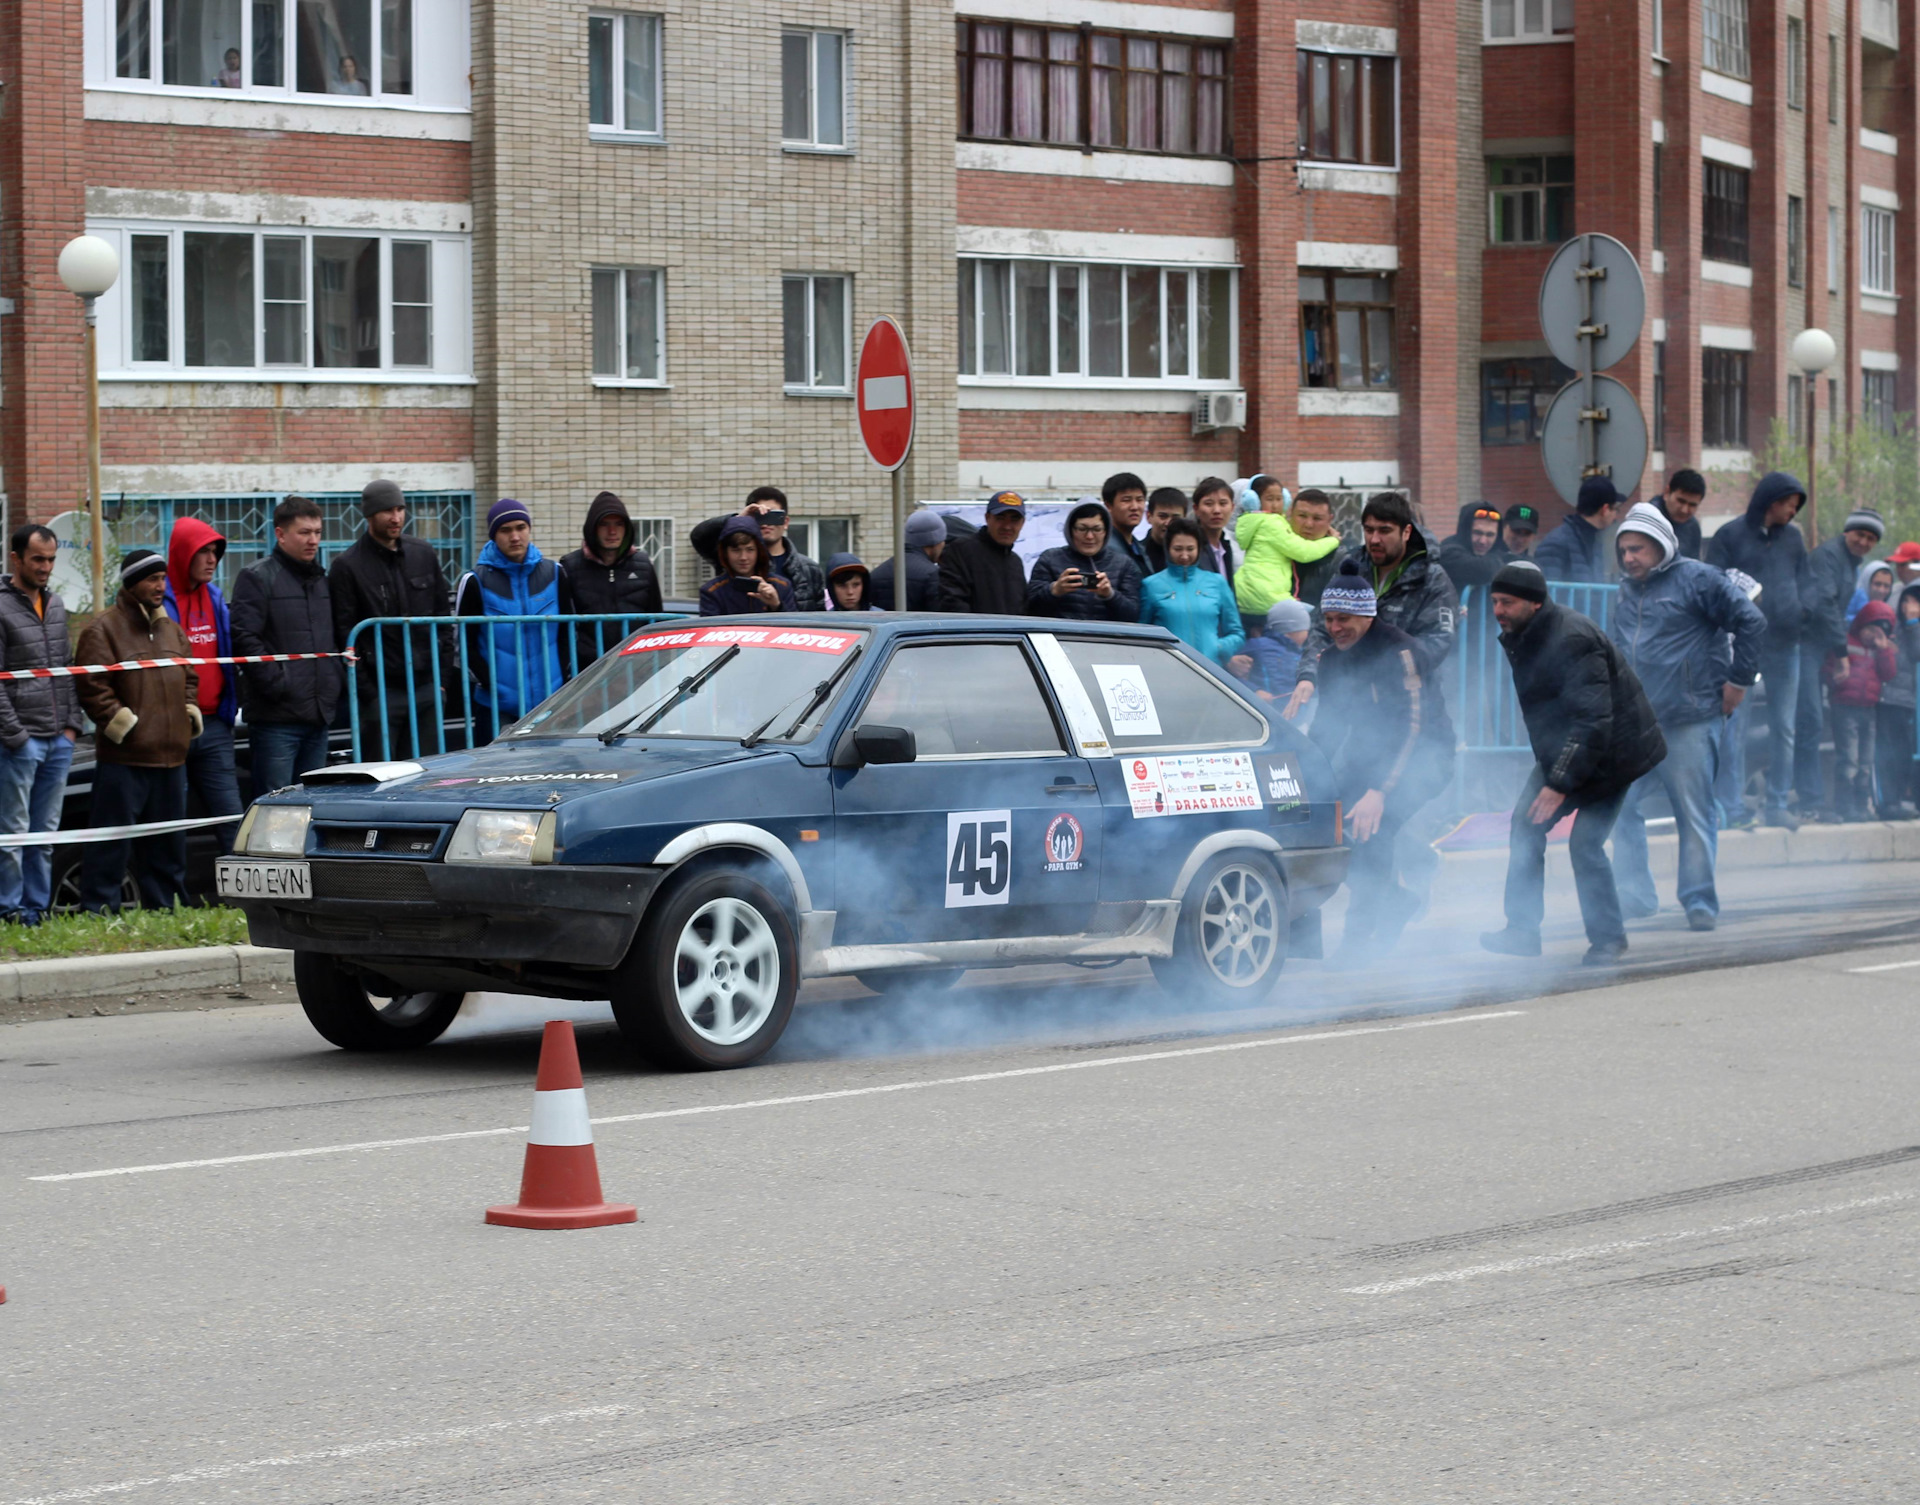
[[362, 774]]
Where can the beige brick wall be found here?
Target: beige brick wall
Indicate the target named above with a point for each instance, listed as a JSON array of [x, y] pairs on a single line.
[[725, 211]]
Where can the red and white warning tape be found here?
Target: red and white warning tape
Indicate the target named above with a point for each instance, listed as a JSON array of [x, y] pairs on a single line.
[[68, 671], [83, 834]]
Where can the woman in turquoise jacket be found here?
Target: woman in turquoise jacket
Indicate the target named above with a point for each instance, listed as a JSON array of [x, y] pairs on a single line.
[[1195, 605]]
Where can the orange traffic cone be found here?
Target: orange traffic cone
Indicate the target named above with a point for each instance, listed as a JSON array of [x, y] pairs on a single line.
[[560, 1187]]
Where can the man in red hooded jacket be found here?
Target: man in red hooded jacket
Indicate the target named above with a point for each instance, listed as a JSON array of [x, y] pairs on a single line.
[[195, 602]]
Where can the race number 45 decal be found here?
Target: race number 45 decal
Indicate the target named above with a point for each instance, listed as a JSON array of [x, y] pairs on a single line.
[[979, 857]]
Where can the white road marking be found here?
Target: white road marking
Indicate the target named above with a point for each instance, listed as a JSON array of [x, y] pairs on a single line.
[[808, 1097], [319, 1455], [1886, 967], [1617, 1246]]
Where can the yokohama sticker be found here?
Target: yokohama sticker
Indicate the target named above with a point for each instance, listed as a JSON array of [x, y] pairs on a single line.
[[1193, 784], [800, 639], [1065, 842]]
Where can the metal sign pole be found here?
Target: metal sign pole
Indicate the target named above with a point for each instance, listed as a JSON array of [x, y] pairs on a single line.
[[900, 539]]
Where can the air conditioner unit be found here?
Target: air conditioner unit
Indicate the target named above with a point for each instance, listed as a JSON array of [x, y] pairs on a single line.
[[1220, 410]]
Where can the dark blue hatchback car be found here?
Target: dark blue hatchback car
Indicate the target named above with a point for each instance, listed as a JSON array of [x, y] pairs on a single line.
[[716, 811]]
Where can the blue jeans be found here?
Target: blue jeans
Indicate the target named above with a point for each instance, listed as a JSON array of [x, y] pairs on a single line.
[[1592, 874], [1687, 776], [1809, 722], [33, 781], [280, 751], [124, 796], [1780, 668], [210, 775], [1730, 783]]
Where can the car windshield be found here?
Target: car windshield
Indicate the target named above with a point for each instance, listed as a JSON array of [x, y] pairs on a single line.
[[703, 681]]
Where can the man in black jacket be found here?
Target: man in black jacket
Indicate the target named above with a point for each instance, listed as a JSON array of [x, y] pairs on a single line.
[[1686, 490], [1572, 552], [1473, 556], [1125, 498], [387, 573], [1766, 545], [982, 573], [926, 542], [1593, 733], [768, 506], [609, 574], [1386, 734], [281, 605]]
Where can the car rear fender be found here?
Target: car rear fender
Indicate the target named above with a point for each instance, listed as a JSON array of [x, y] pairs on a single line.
[[1212, 846]]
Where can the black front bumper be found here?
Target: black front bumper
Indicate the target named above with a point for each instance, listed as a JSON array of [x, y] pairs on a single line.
[[375, 910]]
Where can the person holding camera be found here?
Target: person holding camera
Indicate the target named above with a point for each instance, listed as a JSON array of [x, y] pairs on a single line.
[[1088, 579], [747, 582], [767, 506]]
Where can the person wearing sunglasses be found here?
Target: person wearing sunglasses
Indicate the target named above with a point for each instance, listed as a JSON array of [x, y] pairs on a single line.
[[767, 505], [1475, 553]]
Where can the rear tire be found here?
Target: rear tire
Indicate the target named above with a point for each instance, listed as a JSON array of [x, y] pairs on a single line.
[[346, 1014], [895, 983], [1231, 941], [711, 978]]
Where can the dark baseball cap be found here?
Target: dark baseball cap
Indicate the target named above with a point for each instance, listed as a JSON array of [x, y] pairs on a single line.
[[1006, 501], [1523, 517]]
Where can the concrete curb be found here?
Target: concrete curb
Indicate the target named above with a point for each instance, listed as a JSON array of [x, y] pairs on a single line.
[[88, 977], [134, 972]]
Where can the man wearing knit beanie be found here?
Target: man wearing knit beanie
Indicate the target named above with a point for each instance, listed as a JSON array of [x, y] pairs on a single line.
[[1693, 638], [1593, 734], [514, 666], [389, 573]]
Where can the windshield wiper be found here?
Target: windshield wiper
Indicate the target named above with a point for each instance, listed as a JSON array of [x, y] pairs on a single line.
[[643, 722], [820, 692]]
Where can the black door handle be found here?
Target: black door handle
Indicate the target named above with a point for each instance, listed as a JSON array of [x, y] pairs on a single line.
[[1068, 787]]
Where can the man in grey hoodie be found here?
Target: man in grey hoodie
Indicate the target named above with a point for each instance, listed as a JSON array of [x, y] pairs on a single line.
[[39, 720]]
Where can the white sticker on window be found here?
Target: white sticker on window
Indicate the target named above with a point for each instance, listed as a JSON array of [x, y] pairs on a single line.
[[1130, 708], [1082, 719], [979, 857], [1195, 784]]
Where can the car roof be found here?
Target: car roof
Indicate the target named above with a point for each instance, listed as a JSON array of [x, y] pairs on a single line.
[[890, 623]]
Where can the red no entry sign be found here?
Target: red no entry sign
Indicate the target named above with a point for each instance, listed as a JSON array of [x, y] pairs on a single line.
[[883, 390]]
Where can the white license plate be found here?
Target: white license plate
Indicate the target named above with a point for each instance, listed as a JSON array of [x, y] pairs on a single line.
[[264, 880]]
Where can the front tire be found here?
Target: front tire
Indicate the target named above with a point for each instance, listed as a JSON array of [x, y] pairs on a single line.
[[1231, 941], [711, 979], [346, 1014]]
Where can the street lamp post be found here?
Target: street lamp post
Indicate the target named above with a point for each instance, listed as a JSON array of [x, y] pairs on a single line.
[[89, 266], [1812, 351]]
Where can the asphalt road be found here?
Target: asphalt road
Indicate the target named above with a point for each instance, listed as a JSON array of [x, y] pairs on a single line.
[[1650, 1239]]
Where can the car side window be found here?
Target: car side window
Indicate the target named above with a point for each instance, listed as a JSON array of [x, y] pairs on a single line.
[[1151, 697], [965, 700]]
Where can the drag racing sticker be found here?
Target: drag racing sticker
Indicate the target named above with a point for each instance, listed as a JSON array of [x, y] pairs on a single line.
[[979, 857], [801, 639], [1192, 784], [1130, 709], [1065, 842]]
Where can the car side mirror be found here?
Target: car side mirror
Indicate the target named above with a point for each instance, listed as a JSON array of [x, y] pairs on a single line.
[[877, 743]]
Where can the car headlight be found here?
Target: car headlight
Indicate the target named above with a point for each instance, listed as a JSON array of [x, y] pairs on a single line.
[[275, 830], [509, 836]]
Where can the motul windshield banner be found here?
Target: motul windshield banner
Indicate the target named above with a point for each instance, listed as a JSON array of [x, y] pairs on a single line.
[[800, 639]]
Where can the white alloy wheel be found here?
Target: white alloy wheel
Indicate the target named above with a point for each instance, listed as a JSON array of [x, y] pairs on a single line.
[[1240, 924], [726, 971]]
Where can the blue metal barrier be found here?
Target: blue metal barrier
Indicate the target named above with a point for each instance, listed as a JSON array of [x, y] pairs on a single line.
[[578, 641], [1487, 710]]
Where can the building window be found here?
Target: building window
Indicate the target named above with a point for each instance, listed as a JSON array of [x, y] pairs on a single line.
[[1120, 90], [815, 313], [813, 89], [1659, 396], [1833, 248], [1348, 104], [1659, 189], [337, 47], [1796, 63], [821, 538], [1724, 25], [1796, 407], [629, 325], [1529, 200], [1514, 397], [1723, 215], [240, 300], [1659, 29], [1528, 20], [1723, 399], [1877, 399], [1090, 325], [1346, 331], [656, 535], [623, 74], [1833, 79], [1876, 250], [1796, 241]]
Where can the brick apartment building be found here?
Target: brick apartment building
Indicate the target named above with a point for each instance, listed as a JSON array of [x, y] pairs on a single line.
[[538, 249]]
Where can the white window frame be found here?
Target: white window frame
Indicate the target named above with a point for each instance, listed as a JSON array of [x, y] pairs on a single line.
[[811, 142], [623, 129], [449, 312], [106, 13], [1546, 25], [615, 379], [809, 531], [808, 388], [1080, 378], [1878, 227]]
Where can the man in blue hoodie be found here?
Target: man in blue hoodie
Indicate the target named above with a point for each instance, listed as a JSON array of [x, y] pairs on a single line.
[[1767, 546], [515, 665], [1694, 639]]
